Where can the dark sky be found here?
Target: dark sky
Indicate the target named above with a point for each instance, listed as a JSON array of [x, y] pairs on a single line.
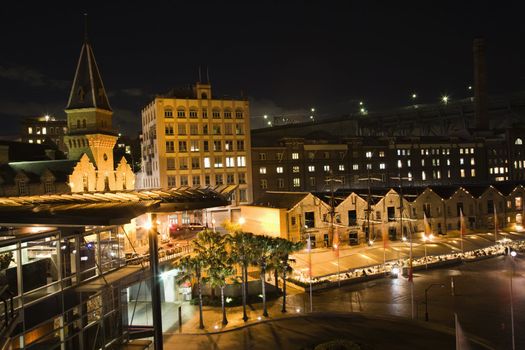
[[286, 56]]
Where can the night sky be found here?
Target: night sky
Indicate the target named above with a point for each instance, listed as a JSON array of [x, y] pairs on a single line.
[[286, 56]]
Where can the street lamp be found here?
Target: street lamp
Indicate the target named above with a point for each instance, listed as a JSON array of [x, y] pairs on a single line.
[[426, 297], [444, 99], [513, 255]]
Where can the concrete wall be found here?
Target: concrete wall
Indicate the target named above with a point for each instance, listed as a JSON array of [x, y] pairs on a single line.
[[265, 221]]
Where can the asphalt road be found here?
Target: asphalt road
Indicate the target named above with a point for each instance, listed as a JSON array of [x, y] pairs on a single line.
[[481, 299]]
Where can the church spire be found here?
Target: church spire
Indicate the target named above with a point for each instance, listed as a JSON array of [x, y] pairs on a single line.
[[87, 90]]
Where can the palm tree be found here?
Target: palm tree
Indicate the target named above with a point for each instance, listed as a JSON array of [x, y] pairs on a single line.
[[242, 254], [263, 249], [217, 276], [211, 247], [192, 267], [282, 260]]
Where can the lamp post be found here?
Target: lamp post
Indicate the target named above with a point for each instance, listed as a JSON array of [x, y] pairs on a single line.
[[335, 242], [309, 247], [512, 255], [426, 297], [155, 283]]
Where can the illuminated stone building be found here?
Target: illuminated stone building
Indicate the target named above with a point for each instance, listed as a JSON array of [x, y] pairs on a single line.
[[190, 138], [90, 141]]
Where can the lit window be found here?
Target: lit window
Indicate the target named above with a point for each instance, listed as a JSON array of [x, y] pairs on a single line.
[[355, 166], [423, 176], [29, 130], [461, 151], [262, 170], [461, 161], [399, 163], [472, 151], [409, 163], [369, 166], [382, 166], [207, 162], [490, 171], [280, 170], [409, 176], [341, 167], [381, 154], [230, 162], [422, 162], [295, 169], [368, 154], [518, 141], [448, 161], [448, 174], [218, 163], [295, 155], [462, 172], [296, 182], [326, 168], [473, 172], [30, 141], [472, 161], [311, 168], [241, 161], [264, 184]]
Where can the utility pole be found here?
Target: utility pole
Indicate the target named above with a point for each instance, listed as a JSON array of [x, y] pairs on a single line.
[[368, 179], [335, 242]]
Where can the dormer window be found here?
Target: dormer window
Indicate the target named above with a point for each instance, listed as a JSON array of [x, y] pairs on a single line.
[[204, 96]]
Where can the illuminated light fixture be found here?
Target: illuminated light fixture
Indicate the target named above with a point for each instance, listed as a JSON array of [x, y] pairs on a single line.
[[242, 220], [370, 242], [229, 300], [404, 239], [360, 103], [216, 326], [259, 318], [414, 95], [297, 310], [444, 99], [83, 258], [46, 117], [148, 225], [265, 116], [470, 87], [270, 123], [362, 110], [513, 253]]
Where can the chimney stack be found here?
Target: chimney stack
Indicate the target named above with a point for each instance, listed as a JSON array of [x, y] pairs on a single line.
[[480, 85]]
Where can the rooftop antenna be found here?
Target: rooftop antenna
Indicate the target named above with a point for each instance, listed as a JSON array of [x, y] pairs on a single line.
[[200, 77], [85, 26], [207, 74]]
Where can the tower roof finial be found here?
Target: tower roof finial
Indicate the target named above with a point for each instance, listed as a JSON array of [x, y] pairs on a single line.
[[85, 26]]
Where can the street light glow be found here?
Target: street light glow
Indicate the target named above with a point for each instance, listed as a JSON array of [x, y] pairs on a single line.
[[414, 95], [444, 99], [312, 109], [513, 253], [242, 220], [360, 103], [265, 116]]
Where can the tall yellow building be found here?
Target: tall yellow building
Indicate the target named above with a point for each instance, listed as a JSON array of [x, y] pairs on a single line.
[[192, 139]]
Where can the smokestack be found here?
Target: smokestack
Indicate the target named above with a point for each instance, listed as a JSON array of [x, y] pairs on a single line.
[[480, 85]]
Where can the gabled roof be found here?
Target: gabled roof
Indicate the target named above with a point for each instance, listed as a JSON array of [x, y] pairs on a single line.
[[281, 200], [61, 169], [476, 190], [444, 192], [87, 90], [326, 197]]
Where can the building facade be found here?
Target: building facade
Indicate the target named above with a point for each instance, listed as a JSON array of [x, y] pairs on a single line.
[[38, 130], [301, 164], [190, 138]]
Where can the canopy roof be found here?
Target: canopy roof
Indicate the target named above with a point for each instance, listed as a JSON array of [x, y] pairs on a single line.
[[107, 208]]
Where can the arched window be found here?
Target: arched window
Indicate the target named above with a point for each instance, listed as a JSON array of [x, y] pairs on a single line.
[[168, 112], [238, 114], [181, 112], [84, 123], [204, 96], [518, 141], [227, 114]]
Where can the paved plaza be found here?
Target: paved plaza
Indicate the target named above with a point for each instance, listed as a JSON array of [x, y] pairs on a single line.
[[481, 300]]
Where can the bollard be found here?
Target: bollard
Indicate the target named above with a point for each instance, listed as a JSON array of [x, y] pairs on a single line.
[[452, 285], [180, 318]]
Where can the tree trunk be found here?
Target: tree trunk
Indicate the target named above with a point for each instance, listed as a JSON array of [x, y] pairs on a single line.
[[276, 276], [244, 316], [199, 287], [263, 290], [246, 280], [224, 319], [284, 290]]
